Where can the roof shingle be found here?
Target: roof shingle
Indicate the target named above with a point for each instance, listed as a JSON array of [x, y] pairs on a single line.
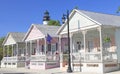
[[104, 19]]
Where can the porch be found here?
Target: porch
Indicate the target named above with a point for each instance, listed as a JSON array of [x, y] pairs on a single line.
[[41, 54], [92, 51], [13, 62], [13, 56]]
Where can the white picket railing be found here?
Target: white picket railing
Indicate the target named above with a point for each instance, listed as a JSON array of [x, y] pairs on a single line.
[[110, 56], [38, 58], [44, 58], [14, 58], [94, 56]]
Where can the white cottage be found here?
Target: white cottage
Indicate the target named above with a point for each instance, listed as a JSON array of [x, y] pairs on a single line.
[[94, 41], [13, 42], [41, 53]]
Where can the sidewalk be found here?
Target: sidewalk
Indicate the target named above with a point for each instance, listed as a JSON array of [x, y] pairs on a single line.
[[48, 71]]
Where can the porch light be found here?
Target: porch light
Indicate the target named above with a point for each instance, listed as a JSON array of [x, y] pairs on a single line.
[[69, 70]]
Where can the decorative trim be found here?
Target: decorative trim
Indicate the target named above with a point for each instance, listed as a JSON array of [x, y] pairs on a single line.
[[92, 65], [77, 64], [110, 65]]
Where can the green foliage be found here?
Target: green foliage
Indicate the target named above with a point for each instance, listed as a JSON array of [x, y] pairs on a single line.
[[54, 23], [107, 39], [1, 48]]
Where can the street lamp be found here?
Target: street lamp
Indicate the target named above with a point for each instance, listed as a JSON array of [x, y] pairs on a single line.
[[69, 70]]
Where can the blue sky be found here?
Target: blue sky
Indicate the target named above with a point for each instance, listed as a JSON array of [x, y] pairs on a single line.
[[18, 15]]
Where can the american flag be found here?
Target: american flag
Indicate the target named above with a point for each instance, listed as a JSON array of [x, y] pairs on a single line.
[[49, 38]]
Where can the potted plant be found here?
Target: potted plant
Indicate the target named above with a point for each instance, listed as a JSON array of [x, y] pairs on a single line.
[[107, 39]]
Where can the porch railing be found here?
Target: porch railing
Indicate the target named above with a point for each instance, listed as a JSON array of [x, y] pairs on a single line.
[[38, 58], [94, 57], [14, 58], [51, 57], [86, 57], [110, 56]]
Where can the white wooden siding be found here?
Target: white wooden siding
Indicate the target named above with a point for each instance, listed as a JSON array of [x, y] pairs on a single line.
[[10, 40], [34, 34], [78, 21]]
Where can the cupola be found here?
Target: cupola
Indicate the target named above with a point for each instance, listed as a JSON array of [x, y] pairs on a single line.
[[46, 17]]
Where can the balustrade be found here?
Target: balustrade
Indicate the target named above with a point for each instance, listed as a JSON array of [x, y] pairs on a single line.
[[14, 58], [50, 57]]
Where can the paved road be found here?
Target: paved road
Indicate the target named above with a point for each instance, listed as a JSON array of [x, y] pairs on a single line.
[[49, 71]]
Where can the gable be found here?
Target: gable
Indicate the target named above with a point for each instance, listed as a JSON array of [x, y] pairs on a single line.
[[78, 21], [34, 33], [9, 40]]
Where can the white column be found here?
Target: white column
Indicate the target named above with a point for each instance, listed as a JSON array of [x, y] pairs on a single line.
[[12, 50], [60, 44], [60, 51], [17, 48], [84, 40], [101, 47], [45, 48], [38, 48], [26, 48], [30, 48], [8, 50], [23, 49]]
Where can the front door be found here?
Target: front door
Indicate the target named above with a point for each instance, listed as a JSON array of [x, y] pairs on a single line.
[[77, 57], [78, 45]]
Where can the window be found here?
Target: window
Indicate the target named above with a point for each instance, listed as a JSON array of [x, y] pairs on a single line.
[[49, 47], [90, 46], [53, 47], [9, 63], [106, 46], [65, 49], [79, 45], [42, 48], [5, 63], [14, 63], [56, 46]]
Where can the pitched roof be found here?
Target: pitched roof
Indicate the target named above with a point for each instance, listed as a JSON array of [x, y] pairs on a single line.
[[98, 18], [17, 36], [104, 19], [46, 29]]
